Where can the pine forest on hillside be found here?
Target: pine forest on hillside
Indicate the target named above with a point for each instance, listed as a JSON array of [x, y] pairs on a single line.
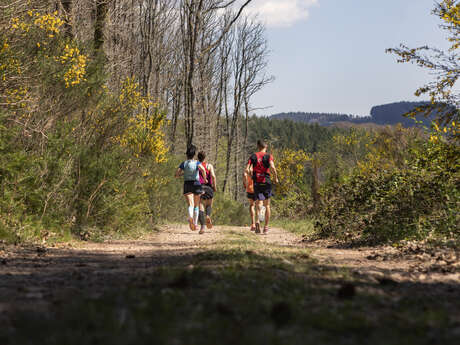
[[386, 114]]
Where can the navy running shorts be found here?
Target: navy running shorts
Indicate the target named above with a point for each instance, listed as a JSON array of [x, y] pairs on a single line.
[[263, 191]]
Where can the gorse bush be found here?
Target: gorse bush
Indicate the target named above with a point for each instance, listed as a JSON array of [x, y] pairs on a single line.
[[401, 191], [74, 154], [292, 195]]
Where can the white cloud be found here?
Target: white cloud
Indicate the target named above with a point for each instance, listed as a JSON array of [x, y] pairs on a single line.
[[280, 13]]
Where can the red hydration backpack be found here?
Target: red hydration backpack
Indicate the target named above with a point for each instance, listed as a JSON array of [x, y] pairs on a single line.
[[208, 175], [260, 162]]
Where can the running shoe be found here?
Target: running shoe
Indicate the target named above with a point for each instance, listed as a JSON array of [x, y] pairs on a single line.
[[208, 222], [257, 228], [191, 224]]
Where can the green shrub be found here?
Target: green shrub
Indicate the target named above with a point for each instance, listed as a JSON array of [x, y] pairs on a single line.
[[418, 200]]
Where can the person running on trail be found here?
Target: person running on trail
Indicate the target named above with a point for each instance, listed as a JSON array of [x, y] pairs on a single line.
[[209, 188], [261, 163], [192, 187], [248, 184]]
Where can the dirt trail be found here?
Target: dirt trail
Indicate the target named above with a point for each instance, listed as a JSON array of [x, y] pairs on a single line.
[[54, 273], [227, 277], [410, 264]]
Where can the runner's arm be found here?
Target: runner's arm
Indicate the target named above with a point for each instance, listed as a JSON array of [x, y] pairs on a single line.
[[179, 172], [273, 170], [213, 175], [245, 176], [247, 171]]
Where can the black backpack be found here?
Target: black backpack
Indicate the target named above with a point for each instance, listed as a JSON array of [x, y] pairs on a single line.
[[260, 172]]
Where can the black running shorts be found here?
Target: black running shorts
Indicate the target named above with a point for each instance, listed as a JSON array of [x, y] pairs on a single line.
[[208, 192], [192, 187], [251, 196]]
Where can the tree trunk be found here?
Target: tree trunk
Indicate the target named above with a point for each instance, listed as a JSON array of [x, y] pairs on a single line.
[[66, 8], [101, 14]]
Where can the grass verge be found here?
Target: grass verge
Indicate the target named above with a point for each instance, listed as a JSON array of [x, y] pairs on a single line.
[[303, 227]]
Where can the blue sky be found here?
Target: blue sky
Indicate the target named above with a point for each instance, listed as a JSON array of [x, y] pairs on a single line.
[[329, 55]]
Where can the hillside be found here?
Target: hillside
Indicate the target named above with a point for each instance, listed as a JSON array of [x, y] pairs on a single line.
[[323, 119], [386, 114], [392, 113]]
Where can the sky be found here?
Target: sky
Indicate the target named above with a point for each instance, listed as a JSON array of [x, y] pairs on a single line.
[[329, 55]]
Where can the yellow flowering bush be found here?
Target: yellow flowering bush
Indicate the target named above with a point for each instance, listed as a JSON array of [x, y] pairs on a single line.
[[349, 148], [49, 22], [76, 63], [291, 168], [38, 36], [405, 187], [451, 130], [9, 64], [75, 152], [144, 134]]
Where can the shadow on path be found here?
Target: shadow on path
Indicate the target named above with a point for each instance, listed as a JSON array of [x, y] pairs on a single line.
[[181, 288]]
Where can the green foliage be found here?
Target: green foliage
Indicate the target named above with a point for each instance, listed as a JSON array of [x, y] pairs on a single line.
[[229, 211], [376, 185], [417, 199], [296, 204], [73, 153], [443, 65]]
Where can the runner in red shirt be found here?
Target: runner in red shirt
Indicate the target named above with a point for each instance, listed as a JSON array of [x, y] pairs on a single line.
[[261, 165], [209, 188]]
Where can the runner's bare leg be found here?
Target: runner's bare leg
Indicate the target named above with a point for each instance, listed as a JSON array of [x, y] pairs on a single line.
[[268, 211], [252, 212], [189, 198]]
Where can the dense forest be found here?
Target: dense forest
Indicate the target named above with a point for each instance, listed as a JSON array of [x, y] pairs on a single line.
[[387, 114], [99, 99], [290, 134], [324, 119]]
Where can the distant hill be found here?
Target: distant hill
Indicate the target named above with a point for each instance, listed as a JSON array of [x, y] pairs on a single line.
[[392, 113], [387, 114], [323, 119]]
